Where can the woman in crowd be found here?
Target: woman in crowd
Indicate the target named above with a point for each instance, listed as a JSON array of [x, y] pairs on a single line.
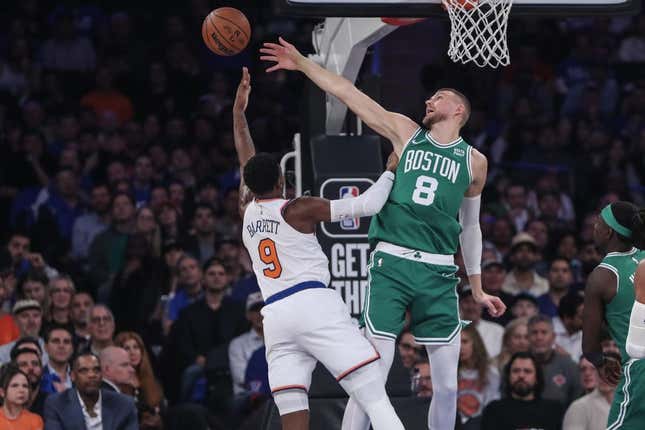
[[146, 224], [15, 392], [170, 221], [478, 381], [516, 339], [149, 394], [61, 290]]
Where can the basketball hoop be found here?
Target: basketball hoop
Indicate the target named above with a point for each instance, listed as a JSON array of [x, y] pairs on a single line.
[[478, 31]]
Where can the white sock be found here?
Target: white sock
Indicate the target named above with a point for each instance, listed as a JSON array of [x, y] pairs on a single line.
[[355, 417], [443, 369]]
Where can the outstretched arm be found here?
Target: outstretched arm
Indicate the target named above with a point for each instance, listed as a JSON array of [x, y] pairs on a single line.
[[596, 295], [471, 235], [635, 344], [304, 213], [242, 136], [395, 127]]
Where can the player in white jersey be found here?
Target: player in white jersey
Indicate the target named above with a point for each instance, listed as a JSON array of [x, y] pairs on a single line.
[[304, 321]]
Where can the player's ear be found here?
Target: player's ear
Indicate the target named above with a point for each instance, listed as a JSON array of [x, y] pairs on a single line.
[[460, 109], [280, 183]]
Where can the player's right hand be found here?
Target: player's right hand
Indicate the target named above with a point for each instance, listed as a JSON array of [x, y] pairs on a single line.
[[493, 304], [285, 55], [243, 91], [392, 162]]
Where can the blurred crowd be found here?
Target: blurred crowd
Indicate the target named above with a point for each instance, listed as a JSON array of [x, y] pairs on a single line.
[[118, 185]]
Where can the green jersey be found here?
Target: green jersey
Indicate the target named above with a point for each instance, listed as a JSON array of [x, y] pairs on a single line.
[[618, 311], [421, 210]]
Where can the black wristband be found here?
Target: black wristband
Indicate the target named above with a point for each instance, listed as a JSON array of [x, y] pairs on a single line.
[[595, 358]]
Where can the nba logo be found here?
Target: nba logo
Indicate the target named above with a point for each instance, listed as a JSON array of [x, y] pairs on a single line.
[[348, 191]]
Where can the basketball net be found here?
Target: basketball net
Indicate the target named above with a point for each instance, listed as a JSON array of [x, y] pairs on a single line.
[[478, 31]]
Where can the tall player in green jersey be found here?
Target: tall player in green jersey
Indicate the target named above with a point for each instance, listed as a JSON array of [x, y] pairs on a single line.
[[610, 295], [417, 232]]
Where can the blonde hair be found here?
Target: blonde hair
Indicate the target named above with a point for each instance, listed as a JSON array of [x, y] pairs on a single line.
[[505, 354]]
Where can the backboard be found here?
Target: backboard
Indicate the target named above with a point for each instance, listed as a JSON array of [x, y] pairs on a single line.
[[421, 8]]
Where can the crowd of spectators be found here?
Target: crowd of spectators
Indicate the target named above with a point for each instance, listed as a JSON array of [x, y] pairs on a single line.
[[122, 270]]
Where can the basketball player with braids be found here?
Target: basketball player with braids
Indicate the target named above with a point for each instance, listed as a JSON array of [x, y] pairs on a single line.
[[304, 321], [434, 206], [609, 295]]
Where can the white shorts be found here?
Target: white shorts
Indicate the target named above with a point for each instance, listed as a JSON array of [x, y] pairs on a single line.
[[309, 326]]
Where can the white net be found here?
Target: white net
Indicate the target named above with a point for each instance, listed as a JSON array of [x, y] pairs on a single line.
[[478, 31]]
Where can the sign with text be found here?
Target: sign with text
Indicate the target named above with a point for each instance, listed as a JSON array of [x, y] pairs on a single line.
[[345, 243]]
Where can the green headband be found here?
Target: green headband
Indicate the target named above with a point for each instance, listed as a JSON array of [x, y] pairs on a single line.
[[608, 216]]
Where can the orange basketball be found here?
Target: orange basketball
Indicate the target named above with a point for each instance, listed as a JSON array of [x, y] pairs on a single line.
[[226, 31]]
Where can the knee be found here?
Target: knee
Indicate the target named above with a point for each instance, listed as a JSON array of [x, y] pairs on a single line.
[[365, 385], [289, 401]]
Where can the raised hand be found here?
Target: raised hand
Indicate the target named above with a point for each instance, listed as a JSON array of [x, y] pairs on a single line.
[[285, 55], [243, 91]]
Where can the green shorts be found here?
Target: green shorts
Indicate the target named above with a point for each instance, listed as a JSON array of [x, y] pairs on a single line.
[[429, 291], [628, 408]]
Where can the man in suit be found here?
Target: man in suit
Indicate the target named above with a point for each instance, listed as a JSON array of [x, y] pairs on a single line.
[[86, 406], [117, 370]]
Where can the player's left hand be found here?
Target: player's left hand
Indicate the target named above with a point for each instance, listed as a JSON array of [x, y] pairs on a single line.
[[243, 91], [495, 305], [285, 55]]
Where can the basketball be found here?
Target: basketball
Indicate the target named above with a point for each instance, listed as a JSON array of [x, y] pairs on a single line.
[[226, 31], [463, 4]]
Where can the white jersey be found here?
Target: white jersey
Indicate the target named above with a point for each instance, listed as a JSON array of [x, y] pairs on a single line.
[[282, 256]]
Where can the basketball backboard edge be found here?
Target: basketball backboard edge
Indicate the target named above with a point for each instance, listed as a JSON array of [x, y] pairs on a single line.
[[393, 8]]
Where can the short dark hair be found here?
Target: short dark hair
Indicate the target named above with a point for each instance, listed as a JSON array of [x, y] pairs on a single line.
[[205, 206], [187, 256], [24, 340], [7, 373], [33, 275], [464, 100], [638, 229], [556, 259], [540, 318], [213, 261], [83, 353], [261, 173], [101, 185], [116, 195], [19, 233], [539, 374], [15, 352], [569, 305], [50, 330]]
